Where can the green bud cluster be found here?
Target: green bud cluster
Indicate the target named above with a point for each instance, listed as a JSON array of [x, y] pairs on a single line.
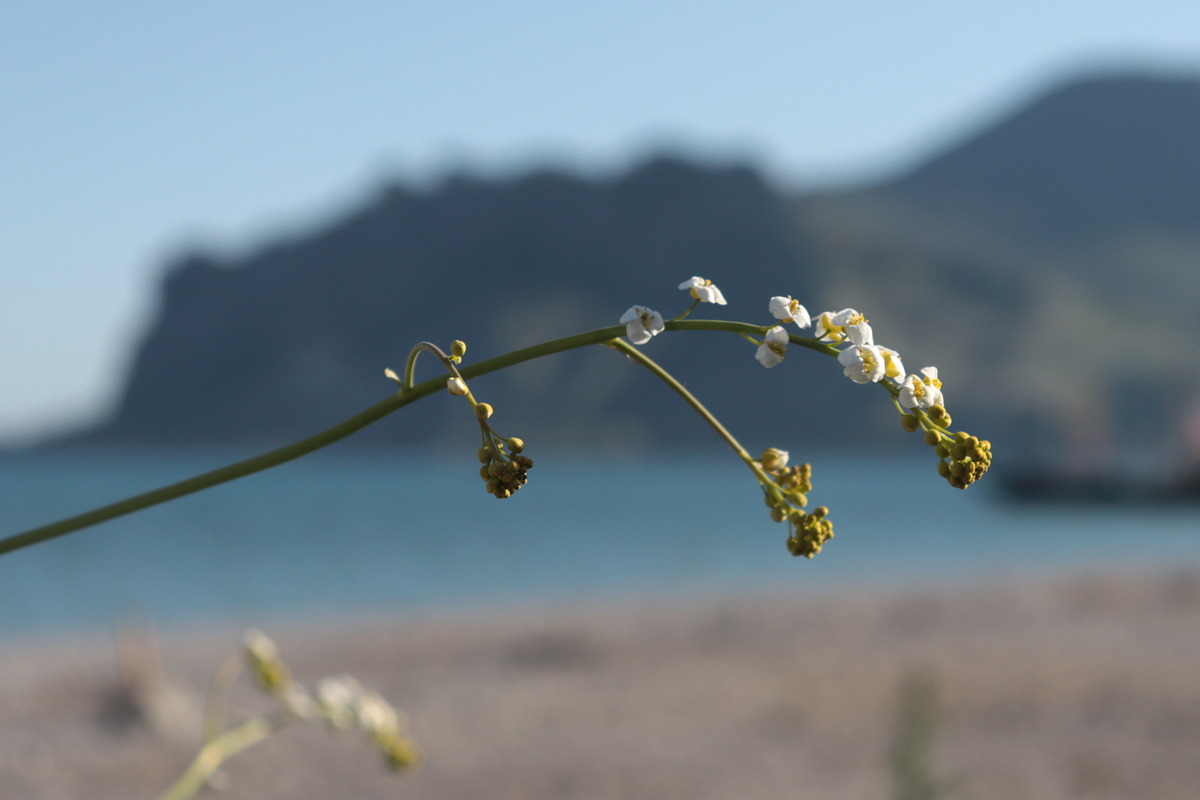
[[504, 468], [787, 496], [809, 531], [963, 459]]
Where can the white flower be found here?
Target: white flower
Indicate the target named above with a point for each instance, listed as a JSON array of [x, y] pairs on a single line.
[[835, 326], [863, 363], [703, 290], [893, 367], [786, 308], [259, 647], [773, 347], [337, 699], [921, 391], [642, 324], [855, 324], [375, 714]]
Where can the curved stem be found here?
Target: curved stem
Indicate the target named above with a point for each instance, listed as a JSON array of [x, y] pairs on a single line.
[[409, 393], [666, 377], [216, 752]]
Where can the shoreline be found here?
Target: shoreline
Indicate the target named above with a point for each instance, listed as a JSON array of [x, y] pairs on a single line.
[[1050, 687]]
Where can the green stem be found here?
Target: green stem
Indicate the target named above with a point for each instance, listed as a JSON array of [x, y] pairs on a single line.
[[408, 394], [666, 377], [216, 752], [218, 695]]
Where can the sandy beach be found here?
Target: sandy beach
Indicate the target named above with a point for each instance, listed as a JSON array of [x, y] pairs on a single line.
[[1072, 687]]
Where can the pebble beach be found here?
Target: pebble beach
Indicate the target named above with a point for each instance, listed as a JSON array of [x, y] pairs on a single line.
[[1078, 686]]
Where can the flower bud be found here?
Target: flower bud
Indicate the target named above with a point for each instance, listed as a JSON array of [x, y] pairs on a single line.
[[483, 410], [456, 386], [515, 445], [773, 459], [910, 423], [458, 348]]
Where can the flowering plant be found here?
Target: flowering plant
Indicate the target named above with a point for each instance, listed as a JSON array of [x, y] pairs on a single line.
[[845, 335]]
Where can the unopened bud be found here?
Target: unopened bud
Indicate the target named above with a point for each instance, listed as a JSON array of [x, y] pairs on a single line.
[[483, 410], [456, 386], [458, 348], [773, 458], [909, 422], [515, 445]]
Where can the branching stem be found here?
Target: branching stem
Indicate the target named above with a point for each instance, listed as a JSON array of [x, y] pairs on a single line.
[[410, 392]]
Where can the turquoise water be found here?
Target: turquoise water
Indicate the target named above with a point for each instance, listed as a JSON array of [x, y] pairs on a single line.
[[339, 534]]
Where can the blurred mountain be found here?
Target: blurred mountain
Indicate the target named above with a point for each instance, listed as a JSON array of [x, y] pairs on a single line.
[[1047, 264], [1050, 263]]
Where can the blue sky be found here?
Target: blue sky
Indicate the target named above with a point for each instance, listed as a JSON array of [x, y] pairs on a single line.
[[131, 131]]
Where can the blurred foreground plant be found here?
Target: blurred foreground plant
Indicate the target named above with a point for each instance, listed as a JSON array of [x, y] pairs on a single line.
[[339, 702]]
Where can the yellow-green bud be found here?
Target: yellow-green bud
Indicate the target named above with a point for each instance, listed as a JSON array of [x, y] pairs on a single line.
[[773, 459], [515, 445], [778, 514], [458, 348], [932, 438], [484, 454], [483, 410], [909, 422]]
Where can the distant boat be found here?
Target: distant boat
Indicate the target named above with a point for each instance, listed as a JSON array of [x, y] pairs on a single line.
[[1044, 484]]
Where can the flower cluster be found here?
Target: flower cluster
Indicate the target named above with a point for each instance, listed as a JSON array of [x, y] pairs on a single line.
[[786, 493], [344, 704], [341, 702], [963, 459], [504, 467]]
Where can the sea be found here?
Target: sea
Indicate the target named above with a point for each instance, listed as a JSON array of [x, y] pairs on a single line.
[[342, 535]]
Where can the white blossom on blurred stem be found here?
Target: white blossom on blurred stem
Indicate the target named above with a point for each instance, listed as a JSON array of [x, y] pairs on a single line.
[[863, 363], [703, 290], [921, 391], [773, 347], [642, 324], [855, 325], [836, 326], [785, 308]]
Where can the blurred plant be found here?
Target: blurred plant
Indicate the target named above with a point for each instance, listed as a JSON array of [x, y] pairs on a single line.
[[340, 702], [845, 335], [911, 755]]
